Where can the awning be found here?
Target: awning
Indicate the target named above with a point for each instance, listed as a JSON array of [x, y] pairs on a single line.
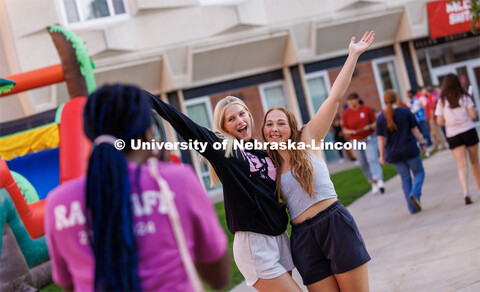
[[332, 39], [240, 58]]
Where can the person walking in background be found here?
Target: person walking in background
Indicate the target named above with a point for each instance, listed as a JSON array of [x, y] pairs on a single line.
[[437, 92], [340, 138], [456, 110], [398, 134], [421, 96], [437, 135], [400, 102], [111, 230], [418, 110], [358, 122]]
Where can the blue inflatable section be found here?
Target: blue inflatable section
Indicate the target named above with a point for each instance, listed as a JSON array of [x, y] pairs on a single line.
[[41, 169]]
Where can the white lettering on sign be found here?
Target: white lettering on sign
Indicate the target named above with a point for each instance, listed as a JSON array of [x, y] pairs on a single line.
[[457, 7], [458, 12], [459, 17]]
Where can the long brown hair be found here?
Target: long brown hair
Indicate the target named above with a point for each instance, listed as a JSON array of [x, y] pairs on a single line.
[[452, 90], [302, 169], [390, 97]]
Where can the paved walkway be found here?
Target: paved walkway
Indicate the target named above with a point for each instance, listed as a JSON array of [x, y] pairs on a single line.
[[437, 249]]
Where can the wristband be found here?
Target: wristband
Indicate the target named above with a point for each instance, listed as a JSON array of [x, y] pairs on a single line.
[[422, 144]]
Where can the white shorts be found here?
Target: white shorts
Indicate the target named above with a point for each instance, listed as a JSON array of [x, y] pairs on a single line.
[[260, 256]]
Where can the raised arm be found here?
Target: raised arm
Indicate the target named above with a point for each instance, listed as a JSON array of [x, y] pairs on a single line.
[[185, 127], [318, 127]]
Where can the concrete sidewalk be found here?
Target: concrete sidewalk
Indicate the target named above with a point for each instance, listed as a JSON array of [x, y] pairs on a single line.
[[437, 249]]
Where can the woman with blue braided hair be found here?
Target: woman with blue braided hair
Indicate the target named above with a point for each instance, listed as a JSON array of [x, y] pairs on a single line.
[[113, 230]]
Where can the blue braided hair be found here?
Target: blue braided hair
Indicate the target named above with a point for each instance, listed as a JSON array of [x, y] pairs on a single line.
[[124, 112]]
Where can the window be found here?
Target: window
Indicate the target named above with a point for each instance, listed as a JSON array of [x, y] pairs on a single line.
[[318, 84], [272, 94], [438, 57], [385, 76], [424, 67], [78, 11], [158, 128], [319, 89], [454, 52], [200, 111]]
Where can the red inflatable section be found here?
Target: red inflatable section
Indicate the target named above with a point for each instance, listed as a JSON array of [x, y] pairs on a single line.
[[75, 148], [31, 214]]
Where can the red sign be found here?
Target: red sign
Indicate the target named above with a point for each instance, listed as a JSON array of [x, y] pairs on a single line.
[[449, 18]]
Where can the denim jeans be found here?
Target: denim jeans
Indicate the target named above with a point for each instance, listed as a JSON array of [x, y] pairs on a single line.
[[368, 159], [403, 168]]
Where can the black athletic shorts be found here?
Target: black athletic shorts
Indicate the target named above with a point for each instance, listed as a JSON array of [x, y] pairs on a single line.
[[329, 243], [468, 138]]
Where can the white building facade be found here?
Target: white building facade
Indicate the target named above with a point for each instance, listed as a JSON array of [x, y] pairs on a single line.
[[268, 52]]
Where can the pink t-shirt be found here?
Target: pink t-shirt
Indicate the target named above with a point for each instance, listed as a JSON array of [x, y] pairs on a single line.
[[457, 120], [160, 264]]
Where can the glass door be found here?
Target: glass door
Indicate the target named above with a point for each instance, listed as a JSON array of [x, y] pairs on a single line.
[[272, 94], [200, 111], [467, 72], [386, 76], [473, 72], [318, 84]]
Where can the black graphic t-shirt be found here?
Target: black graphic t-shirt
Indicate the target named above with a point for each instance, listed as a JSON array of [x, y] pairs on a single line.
[[248, 180]]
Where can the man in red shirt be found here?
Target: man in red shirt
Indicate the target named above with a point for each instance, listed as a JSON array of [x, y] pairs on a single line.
[[359, 122]]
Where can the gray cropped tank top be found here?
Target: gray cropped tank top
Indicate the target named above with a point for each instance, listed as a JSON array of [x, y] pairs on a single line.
[[297, 199]]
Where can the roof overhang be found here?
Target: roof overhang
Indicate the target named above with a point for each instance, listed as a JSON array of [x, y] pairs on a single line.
[[332, 39], [239, 58]]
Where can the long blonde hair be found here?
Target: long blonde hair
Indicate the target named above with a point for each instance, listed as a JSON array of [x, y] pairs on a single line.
[[221, 132], [301, 165]]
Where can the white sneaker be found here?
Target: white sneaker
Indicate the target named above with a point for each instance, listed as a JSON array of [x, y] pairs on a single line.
[[374, 188], [341, 160], [357, 163], [381, 186]]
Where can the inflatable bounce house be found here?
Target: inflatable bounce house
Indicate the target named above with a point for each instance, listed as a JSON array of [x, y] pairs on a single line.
[[36, 160]]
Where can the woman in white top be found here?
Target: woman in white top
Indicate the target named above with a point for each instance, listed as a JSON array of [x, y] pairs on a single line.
[[326, 245], [456, 110]]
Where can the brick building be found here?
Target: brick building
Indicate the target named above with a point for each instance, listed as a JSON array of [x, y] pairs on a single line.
[[268, 52]]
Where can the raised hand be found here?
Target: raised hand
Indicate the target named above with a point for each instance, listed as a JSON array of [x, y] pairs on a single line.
[[363, 44]]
